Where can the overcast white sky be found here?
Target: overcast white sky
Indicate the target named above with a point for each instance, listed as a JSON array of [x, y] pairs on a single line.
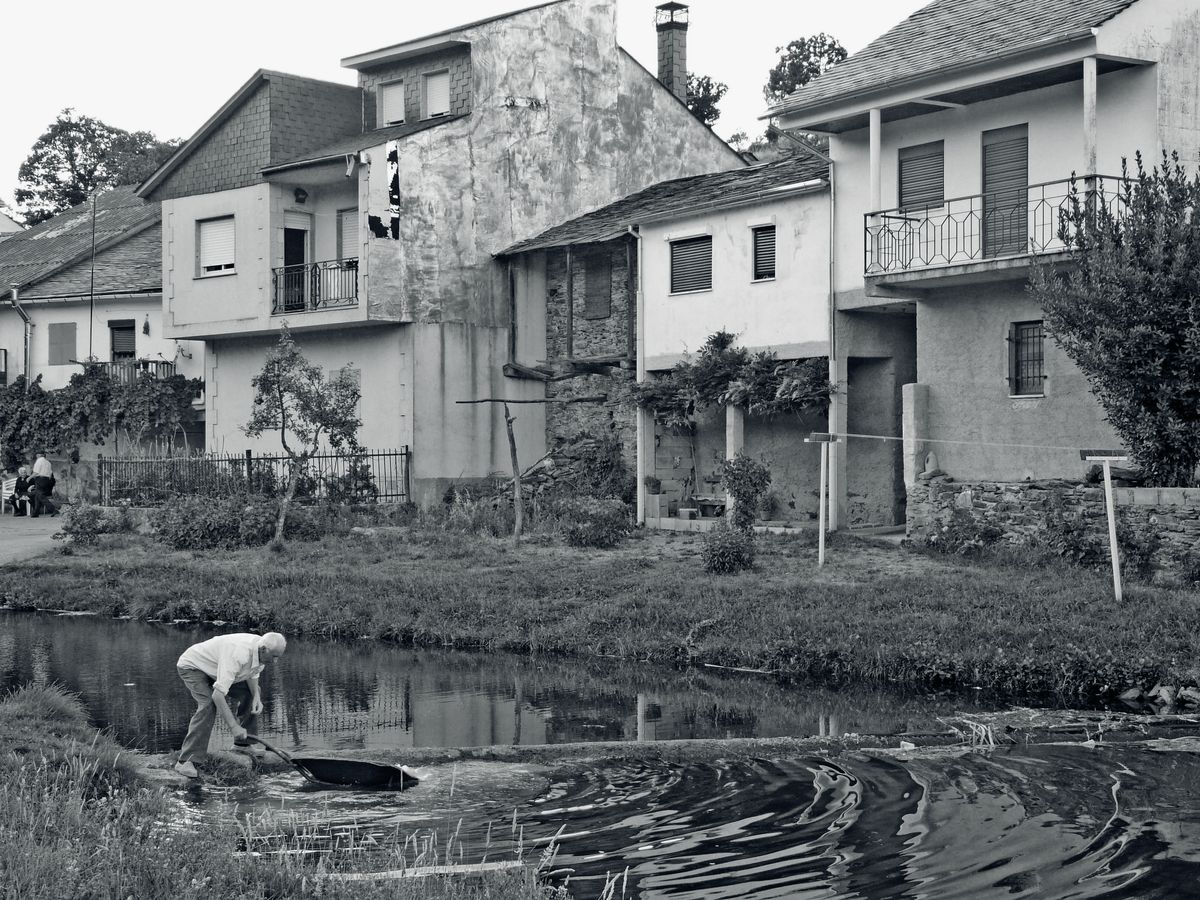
[[166, 67]]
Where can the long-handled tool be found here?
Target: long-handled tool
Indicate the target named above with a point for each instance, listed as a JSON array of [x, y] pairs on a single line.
[[345, 772]]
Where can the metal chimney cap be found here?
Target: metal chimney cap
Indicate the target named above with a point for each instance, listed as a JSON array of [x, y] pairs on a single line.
[[671, 13]]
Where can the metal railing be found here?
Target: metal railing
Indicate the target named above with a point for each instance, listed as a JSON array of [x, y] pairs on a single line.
[[378, 476], [126, 371], [982, 226], [321, 285]]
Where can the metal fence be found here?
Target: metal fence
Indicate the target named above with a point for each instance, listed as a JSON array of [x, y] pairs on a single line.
[[380, 476]]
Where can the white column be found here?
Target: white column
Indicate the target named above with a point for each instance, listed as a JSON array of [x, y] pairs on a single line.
[[876, 159], [735, 438], [1089, 116]]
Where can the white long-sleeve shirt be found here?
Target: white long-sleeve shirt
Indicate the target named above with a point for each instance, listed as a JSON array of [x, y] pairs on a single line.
[[226, 658]]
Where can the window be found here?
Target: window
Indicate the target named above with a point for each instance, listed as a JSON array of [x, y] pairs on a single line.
[[3, 367], [347, 223], [214, 246], [122, 335], [62, 343], [390, 104], [691, 264], [597, 295], [1026, 359], [922, 176], [437, 94], [764, 252]]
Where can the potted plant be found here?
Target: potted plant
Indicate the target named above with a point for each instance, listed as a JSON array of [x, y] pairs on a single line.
[[656, 500]]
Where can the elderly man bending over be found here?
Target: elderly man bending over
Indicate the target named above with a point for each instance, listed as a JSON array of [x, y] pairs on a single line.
[[222, 675]]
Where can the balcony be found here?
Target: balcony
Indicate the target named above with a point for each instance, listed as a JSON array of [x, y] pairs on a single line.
[[332, 284], [127, 371], [994, 231]]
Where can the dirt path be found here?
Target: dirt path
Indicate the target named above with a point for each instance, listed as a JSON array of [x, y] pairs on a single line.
[[22, 537]]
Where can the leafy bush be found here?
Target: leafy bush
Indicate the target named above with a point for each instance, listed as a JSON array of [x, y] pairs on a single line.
[[962, 535], [728, 549], [1073, 540], [477, 515], [1136, 549], [592, 521], [746, 480], [199, 523], [84, 523]]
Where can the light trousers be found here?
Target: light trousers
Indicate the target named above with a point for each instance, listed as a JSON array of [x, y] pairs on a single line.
[[239, 698]]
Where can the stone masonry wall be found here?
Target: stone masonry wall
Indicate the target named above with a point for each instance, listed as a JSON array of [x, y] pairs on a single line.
[[602, 335], [410, 71], [1021, 510]]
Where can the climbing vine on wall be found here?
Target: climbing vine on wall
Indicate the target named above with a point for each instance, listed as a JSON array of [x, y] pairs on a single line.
[[722, 374]]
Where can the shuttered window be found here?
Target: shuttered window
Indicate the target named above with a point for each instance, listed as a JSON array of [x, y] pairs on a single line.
[[214, 242], [1006, 191], [922, 176], [391, 103], [62, 343], [1026, 358], [347, 221], [597, 295], [437, 94], [3, 367], [764, 252], [691, 265], [123, 339]]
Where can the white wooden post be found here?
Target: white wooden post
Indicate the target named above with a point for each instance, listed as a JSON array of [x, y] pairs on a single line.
[[825, 440], [1106, 460]]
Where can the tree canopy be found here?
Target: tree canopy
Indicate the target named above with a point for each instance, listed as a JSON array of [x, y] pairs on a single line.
[[800, 62], [703, 95], [78, 156], [1128, 311]]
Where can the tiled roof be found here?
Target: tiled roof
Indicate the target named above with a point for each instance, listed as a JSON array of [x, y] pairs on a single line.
[[356, 142], [676, 196], [948, 34], [44, 249]]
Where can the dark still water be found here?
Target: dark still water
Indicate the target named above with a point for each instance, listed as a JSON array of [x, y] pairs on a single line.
[[1074, 821]]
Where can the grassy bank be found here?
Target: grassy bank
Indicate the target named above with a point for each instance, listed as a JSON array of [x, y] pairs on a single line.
[[76, 822], [875, 613]]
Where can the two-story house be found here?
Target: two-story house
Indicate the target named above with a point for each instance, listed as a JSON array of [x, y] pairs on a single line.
[[954, 138], [366, 217], [652, 276], [87, 285]]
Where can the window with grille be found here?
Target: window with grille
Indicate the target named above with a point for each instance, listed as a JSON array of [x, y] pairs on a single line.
[[390, 104], [122, 339], [764, 252], [214, 246], [597, 294], [691, 265], [62, 343], [1026, 359], [437, 94], [922, 176]]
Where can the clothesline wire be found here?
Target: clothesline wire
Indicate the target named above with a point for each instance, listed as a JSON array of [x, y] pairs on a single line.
[[925, 440]]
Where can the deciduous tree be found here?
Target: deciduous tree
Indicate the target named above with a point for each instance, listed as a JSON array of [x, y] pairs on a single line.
[[800, 62], [703, 95], [1128, 311], [78, 156]]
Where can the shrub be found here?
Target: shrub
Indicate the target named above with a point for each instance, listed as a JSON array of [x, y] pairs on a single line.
[[1073, 540], [746, 480], [1136, 549], [200, 523], [728, 549], [962, 535], [83, 524], [592, 521]]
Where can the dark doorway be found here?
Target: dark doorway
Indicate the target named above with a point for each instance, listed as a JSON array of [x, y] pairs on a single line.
[[295, 269]]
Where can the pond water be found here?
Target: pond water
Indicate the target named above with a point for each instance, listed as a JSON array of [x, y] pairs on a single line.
[[1043, 821]]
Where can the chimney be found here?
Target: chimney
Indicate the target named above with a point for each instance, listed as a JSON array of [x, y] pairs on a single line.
[[671, 21]]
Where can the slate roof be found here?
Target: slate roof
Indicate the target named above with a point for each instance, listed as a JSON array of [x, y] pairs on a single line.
[[51, 246], [949, 34], [676, 196], [355, 142]]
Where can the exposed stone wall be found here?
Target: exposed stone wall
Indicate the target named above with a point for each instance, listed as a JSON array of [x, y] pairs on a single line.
[[410, 71], [1021, 509]]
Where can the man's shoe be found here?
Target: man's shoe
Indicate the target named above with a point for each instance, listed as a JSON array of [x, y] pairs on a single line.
[[187, 769]]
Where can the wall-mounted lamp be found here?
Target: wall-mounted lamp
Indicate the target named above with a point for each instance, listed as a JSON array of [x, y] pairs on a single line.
[[300, 194], [146, 326]]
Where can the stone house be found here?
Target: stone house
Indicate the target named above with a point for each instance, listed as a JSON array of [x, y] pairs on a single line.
[[366, 217], [954, 137]]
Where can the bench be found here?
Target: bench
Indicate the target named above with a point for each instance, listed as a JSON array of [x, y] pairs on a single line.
[[7, 487]]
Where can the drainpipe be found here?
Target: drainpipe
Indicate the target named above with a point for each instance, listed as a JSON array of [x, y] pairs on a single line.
[[645, 430], [28, 330]]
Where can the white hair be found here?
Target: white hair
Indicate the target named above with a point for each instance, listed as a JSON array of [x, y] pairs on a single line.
[[274, 641]]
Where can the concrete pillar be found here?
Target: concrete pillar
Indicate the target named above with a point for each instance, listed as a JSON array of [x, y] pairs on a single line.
[[914, 428], [1089, 116], [735, 438], [876, 160], [838, 422], [645, 459]]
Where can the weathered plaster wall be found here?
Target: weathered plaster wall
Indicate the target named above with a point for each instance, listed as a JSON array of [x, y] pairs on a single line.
[[962, 355], [1020, 510], [787, 313], [411, 72], [383, 356], [795, 466]]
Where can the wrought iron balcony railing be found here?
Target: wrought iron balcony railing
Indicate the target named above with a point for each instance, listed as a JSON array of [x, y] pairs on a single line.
[[982, 226], [321, 285], [126, 371]]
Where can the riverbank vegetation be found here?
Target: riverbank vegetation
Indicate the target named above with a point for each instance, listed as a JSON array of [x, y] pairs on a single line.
[[876, 613], [78, 821]]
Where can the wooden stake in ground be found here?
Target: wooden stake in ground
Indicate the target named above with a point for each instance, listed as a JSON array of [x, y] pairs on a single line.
[[509, 418], [1106, 459]]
